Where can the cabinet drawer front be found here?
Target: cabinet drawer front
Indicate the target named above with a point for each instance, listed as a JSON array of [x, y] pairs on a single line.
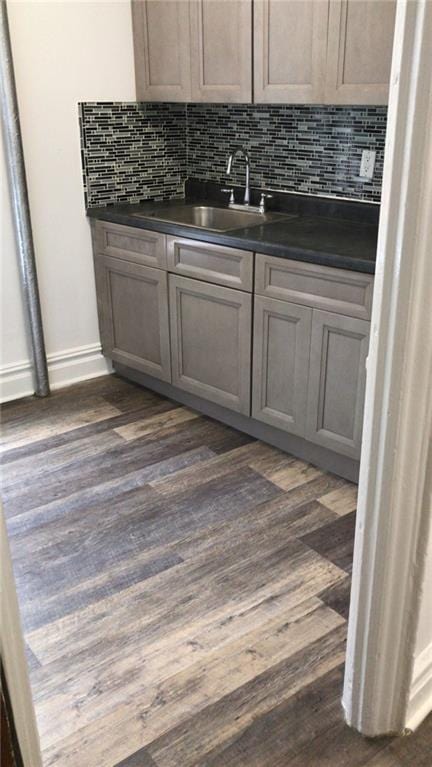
[[211, 341], [323, 287], [281, 363], [133, 315], [337, 379], [212, 263], [131, 244]]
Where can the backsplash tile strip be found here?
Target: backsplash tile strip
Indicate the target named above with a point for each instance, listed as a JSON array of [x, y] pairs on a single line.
[[307, 148], [132, 152], [135, 151]]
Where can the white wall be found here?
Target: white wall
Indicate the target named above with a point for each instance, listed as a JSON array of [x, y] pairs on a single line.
[[14, 351], [64, 52]]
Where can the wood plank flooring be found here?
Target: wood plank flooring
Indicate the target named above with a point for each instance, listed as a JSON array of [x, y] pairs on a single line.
[[184, 589]]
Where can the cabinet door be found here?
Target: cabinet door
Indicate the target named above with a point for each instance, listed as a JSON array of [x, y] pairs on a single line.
[[290, 39], [211, 341], [337, 377], [221, 50], [360, 43], [281, 363], [133, 315], [162, 49]]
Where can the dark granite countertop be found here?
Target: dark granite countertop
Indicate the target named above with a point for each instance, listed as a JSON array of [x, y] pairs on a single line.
[[330, 233]]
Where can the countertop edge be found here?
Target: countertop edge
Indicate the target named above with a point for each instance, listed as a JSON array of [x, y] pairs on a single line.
[[245, 242]]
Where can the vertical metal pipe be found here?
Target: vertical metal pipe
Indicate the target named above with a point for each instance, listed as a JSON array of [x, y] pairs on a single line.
[[20, 205]]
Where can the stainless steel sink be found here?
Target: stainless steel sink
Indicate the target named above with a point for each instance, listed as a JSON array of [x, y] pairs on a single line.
[[211, 218]]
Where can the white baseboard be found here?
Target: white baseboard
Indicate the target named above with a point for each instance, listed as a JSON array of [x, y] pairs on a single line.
[[70, 366], [420, 703]]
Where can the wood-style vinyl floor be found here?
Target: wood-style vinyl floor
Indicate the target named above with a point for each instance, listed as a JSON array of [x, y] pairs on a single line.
[[184, 589]]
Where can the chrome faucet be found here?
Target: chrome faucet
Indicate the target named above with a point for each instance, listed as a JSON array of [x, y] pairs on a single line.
[[261, 208], [241, 152]]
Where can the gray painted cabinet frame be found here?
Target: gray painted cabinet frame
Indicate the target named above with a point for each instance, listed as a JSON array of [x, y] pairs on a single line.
[[133, 315]]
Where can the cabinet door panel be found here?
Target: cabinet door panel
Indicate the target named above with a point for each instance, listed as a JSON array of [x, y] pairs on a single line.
[[211, 341], [360, 44], [133, 315], [337, 378], [290, 38], [162, 49], [281, 363], [221, 45]]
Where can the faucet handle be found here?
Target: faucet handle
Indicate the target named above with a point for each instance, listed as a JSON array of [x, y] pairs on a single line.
[[230, 191], [264, 197]]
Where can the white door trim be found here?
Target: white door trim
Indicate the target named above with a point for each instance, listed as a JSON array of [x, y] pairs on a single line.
[[394, 505], [14, 660]]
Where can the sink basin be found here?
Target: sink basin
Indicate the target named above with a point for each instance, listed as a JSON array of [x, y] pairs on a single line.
[[211, 218]]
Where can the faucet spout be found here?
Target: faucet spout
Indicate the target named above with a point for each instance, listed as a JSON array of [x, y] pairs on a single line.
[[241, 152]]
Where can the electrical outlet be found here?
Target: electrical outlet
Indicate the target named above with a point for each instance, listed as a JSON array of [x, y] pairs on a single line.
[[367, 164]]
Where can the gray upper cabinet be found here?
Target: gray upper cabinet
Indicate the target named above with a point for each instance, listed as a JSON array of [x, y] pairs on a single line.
[[290, 42], [162, 49], [221, 50], [193, 50], [281, 363], [133, 315], [337, 377], [360, 44], [211, 341], [300, 52]]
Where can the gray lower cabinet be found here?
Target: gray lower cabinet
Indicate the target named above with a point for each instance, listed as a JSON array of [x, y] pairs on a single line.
[[282, 333], [337, 377], [211, 341], [133, 315], [308, 373]]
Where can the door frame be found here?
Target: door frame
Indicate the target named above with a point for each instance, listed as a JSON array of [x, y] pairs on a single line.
[[389, 555], [14, 660], [390, 544]]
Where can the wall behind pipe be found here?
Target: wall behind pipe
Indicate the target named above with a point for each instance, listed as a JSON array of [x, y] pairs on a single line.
[[64, 52]]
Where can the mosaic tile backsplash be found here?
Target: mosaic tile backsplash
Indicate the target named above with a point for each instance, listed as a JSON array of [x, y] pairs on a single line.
[[134, 151], [312, 149]]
